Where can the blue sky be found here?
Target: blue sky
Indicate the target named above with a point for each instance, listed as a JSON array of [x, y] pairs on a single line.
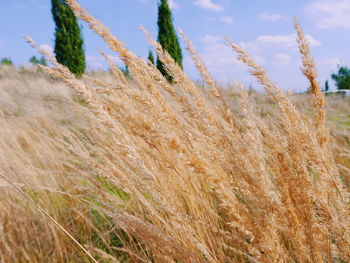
[[264, 28]]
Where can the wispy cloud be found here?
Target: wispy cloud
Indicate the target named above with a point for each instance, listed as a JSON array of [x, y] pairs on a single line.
[[284, 41], [221, 60], [227, 19], [173, 4], [47, 48], [222, 63], [209, 4], [332, 62], [281, 51], [281, 59], [271, 17], [211, 39], [330, 13], [99, 62]]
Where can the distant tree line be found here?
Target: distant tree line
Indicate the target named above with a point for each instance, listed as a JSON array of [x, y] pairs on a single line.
[[35, 61]]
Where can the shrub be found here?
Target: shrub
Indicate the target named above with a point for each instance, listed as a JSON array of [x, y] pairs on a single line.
[[326, 86], [34, 60], [6, 61]]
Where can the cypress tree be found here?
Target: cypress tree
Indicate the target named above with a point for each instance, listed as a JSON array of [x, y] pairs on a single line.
[[326, 86], [151, 57], [167, 36], [42, 61], [69, 44]]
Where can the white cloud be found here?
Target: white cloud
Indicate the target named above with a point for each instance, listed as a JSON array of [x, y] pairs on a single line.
[[210, 39], [276, 43], [227, 19], [47, 48], [99, 62], [173, 4], [114, 58], [330, 13], [208, 4], [271, 17], [281, 59], [277, 53], [331, 62], [222, 61], [281, 63], [284, 41], [95, 62]]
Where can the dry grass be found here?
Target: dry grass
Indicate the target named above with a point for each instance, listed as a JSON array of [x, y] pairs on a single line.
[[138, 170]]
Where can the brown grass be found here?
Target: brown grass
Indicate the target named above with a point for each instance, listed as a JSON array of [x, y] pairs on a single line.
[[138, 170]]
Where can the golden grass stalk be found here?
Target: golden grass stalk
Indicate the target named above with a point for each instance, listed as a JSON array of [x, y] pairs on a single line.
[[49, 217], [309, 71]]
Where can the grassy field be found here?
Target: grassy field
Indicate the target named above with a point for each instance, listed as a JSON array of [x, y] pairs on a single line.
[[140, 170], [50, 150]]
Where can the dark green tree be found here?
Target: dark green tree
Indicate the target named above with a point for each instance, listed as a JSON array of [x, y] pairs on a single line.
[[69, 44], [342, 77], [42, 61], [326, 86], [6, 61], [167, 36], [34, 60], [151, 57], [125, 71]]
